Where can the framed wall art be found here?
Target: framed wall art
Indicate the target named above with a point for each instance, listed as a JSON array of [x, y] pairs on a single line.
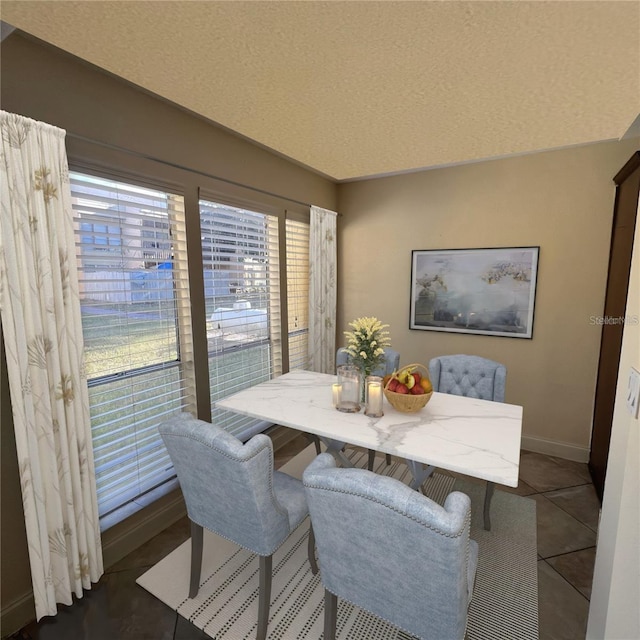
[[482, 291]]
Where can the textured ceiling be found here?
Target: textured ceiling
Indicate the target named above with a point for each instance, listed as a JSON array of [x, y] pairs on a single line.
[[353, 89]]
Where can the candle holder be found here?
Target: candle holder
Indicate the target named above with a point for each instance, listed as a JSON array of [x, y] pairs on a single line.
[[373, 398], [349, 383]]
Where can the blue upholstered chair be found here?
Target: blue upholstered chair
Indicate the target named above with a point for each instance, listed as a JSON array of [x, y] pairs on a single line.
[[474, 377], [470, 376], [231, 489], [367, 526], [390, 364]]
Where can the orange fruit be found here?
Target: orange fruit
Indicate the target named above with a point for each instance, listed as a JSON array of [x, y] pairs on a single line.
[[425, 383]]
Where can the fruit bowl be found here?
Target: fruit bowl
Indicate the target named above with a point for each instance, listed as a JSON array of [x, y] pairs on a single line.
[[407, 402]]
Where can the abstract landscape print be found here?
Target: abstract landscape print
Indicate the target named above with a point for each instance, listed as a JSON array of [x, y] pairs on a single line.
[[482, 291]]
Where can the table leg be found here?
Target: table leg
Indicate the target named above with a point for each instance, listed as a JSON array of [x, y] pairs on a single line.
[[334, 447], [488, 494], [419, 472]]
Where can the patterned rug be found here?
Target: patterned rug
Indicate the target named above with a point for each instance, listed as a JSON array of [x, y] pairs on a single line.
[[505, 597]]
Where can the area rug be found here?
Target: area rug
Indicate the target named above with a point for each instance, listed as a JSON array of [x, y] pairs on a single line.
[[505, 597]]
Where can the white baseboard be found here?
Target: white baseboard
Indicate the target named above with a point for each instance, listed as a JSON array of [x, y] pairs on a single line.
[[557, 449]]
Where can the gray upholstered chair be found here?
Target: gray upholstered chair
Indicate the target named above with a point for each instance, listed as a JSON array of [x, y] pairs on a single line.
[[391, 550], [470, 376], [232, 489], [390, 364], [473, 377]]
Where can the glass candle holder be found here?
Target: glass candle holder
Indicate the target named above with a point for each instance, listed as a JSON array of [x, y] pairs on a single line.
[[349, 382], [373, 401]]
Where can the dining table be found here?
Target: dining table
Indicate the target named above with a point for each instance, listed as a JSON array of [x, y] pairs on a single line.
[[470, 436]]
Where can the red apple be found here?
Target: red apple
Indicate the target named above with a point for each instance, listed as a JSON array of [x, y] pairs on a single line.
[[416, 376], [393, 384], [417, 390], [401, 388]]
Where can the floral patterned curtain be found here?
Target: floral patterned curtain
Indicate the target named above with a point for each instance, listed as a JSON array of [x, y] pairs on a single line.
[[322, 290], [40, 310]]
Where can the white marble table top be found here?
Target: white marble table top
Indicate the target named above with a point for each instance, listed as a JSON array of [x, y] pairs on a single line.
[[475, 437]]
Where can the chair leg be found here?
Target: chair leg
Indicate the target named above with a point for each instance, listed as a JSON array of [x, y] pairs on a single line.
[[264, 597], [372, 457], [311, 550], [488, 494], [196, 559], [330, 615]]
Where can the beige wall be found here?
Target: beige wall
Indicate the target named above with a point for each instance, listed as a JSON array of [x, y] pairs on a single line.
[[613, 613], [561, 201]]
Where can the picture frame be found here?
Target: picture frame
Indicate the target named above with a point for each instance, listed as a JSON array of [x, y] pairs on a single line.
[[478, 291]]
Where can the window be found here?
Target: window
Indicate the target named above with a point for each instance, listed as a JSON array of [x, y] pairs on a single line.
[[136, 314], [298, 293], [242, 297], [134, 299]]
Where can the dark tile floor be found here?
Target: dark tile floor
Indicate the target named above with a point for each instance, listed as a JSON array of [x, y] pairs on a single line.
[[567, 509]]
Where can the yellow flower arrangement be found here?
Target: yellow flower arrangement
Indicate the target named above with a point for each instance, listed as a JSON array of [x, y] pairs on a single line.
[[365, 344]]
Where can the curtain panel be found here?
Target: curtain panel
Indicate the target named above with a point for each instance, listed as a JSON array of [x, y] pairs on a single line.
[[40, 310], [322, 290]]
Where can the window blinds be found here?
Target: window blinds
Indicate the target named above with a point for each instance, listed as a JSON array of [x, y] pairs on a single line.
[[242, 295], [298, 292], [131, 253]]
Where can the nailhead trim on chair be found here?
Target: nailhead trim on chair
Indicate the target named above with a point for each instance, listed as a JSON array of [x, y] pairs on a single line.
[[467, 523], [208, 444], [402, 513]]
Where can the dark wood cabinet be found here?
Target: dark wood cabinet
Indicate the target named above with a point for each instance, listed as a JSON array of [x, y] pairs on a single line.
[[624, 221]]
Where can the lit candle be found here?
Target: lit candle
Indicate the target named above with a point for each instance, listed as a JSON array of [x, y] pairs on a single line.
[[337, 391], [374, 398]]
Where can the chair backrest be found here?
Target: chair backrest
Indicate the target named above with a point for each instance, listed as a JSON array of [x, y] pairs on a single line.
[[227, 485], [471, 376], [390, 364], [392, 551]]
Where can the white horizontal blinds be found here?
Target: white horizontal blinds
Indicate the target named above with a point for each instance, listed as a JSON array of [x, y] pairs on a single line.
[[298, 293], [134, 297], [275, 305], [241, 281]]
